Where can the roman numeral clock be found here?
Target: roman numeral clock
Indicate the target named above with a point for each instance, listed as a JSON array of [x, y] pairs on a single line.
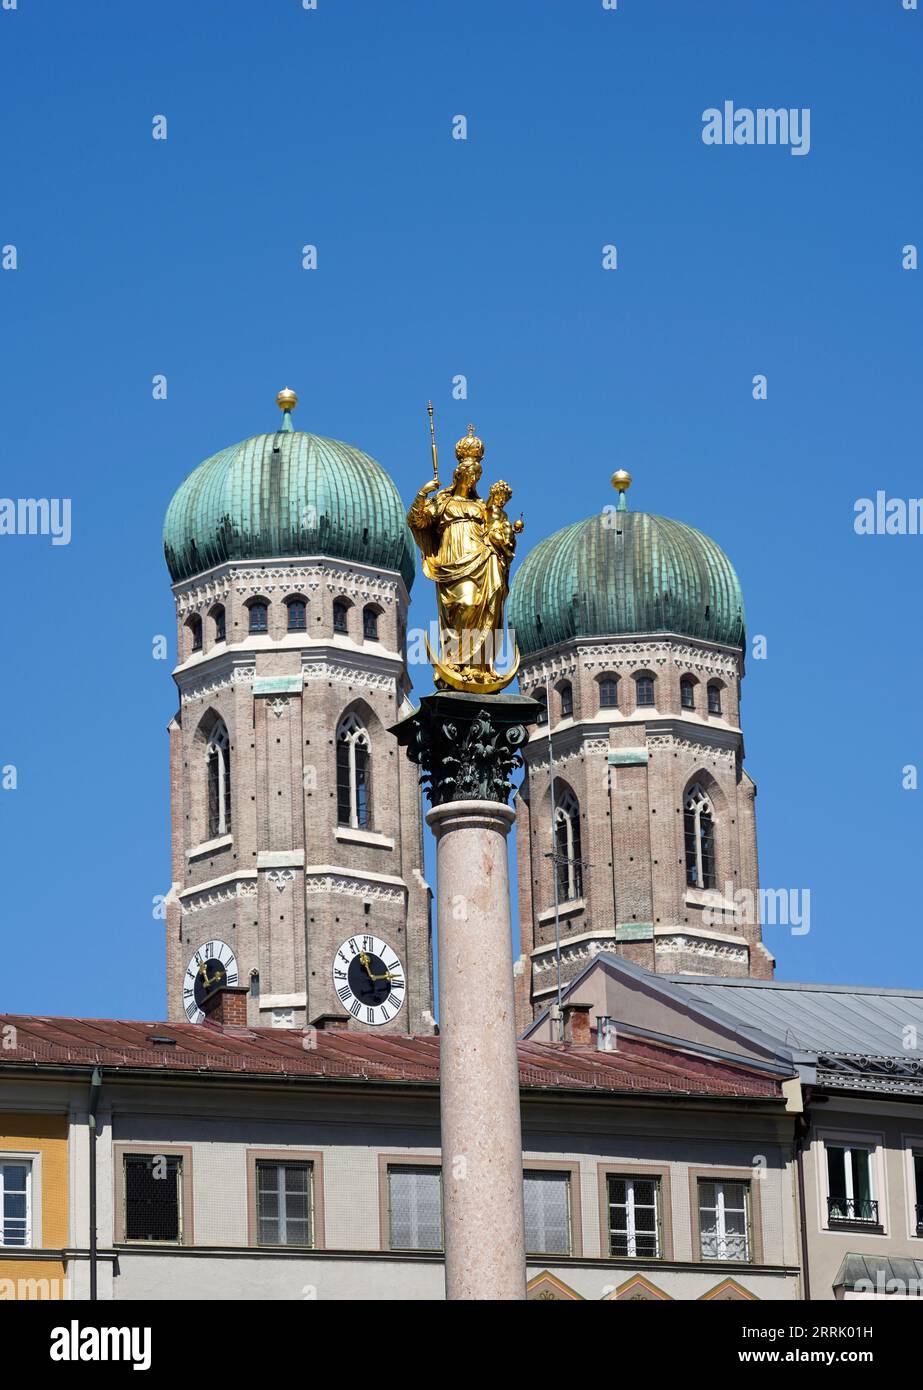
[[211, 967], [369, 979]]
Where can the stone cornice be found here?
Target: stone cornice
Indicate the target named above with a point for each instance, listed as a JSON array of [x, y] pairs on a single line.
[[696, 748], [629, 654], [341, 674], [276, 578]]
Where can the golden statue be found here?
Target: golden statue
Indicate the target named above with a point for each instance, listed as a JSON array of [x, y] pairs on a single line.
[[467, 546]]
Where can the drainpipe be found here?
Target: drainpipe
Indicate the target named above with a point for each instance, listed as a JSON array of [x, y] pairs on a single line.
[[802, 1129], [96, 1081]]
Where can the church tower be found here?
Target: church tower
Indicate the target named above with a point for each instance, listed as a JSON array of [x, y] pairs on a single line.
[[636, 828], [296, 825]]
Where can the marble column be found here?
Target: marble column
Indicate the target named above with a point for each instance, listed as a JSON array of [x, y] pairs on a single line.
[[468, 747], [479, 1067]]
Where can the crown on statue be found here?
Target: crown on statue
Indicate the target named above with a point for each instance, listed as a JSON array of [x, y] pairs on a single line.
[[470, 447]]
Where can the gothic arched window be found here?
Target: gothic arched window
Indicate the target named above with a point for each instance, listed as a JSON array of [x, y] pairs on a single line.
[[687, 692], [542, 697], [353, 773], [195, 633], [699, 828], [340, 615], [297, 614], [218, 760], [609, 692], [714, 698], [567, 858], [219, 620], [566, 695]]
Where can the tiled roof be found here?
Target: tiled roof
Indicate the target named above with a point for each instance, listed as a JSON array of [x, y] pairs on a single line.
[[639, 1066]]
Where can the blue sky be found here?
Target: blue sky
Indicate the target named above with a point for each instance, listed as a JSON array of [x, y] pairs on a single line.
[[439, 257]]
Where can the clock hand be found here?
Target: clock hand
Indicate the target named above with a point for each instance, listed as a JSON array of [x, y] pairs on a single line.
[[364, 960]]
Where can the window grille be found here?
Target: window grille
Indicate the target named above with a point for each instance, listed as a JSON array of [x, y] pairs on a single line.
[[546, 1197], [153, 1197], [634, 1217], [284, 1203], [415, 1207]]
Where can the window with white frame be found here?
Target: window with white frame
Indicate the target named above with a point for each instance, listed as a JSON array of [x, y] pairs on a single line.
[[284, 1202], [16, 1202], [546, 1196], [917, 1160], [634, 1216], [415, 1206], [353, 773], [851, 1193], [724, 1220]]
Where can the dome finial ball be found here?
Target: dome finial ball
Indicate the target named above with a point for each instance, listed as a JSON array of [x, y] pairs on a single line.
[[286, 399], [621, 480]]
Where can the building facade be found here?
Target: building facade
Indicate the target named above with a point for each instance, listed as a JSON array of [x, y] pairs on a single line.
[[240, 1163], [857, 1137], [296, 825], [636, 820]]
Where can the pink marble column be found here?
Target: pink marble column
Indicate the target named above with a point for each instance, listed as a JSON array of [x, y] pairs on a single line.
[[481, 1131]]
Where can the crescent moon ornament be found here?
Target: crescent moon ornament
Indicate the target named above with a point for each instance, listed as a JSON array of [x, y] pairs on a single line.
[[472, 686]]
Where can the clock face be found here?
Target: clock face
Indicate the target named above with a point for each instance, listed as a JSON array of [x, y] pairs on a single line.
[[369, 979], [210, 967]]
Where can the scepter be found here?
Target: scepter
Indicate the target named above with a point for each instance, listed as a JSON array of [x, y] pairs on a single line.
[[432, 434]]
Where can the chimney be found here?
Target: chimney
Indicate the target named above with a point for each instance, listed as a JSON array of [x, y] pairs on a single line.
[[228, 1005], [331, 1022], [577, 1024]]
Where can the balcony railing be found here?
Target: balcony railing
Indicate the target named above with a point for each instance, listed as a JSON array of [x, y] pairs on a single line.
[[859, 1210]]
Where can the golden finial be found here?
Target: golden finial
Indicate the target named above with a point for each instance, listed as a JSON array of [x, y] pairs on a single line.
[[470, 447], [286, 399], [621, 481]]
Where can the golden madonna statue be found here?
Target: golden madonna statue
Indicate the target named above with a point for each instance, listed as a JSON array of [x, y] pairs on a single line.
[[467, 545]]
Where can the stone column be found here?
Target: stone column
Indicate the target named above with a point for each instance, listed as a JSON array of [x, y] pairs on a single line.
[[468, 746], [479, 1066]]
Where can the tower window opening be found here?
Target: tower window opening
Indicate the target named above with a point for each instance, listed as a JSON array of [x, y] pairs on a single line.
[[714, 699], [340, 616], [687, 693], [542, 697], [644, 691], [259, 616], [568, 864], [297, 614], [699, 832], [218, 618], [609, 693], [566, 692], [218, 759], [370, 624], [353, 757]]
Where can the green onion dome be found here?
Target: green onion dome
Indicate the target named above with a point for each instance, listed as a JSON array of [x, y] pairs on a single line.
[[287, 494], [624, 573]]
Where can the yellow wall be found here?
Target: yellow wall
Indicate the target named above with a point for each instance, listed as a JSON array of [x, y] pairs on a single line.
[[47, 1135]]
